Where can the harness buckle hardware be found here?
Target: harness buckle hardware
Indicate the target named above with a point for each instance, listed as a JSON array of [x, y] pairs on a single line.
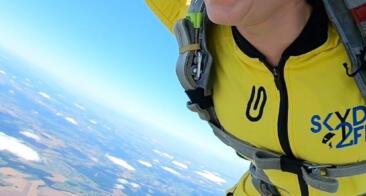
[[197, 71], [317, 169]]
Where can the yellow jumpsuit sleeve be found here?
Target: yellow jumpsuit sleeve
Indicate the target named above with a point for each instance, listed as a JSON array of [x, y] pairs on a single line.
[[169, 11]]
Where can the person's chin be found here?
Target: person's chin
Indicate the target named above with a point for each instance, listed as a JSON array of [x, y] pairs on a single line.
[[221, 19]]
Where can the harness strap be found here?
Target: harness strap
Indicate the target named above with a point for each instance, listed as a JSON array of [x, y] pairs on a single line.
[[198, 97], [346, 170], [261, 182], [189, 47], [321, 177], [244, 149], [351, 34], [196, 6], [309, 172], [202, 113]]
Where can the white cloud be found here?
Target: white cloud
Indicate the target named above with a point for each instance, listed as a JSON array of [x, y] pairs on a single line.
[[17, 148], [31, 135], [163, 154], [181, 165], [119, 186], [11, 92], [27, 84], [145, 163], [122, 181], [93, 122], [212, 177], [2, 72], [170, 170], [120, 162], [71, 120], [134, 185], [79, 106], [94, 159], [41, 103], [44, 95], [126, 182]]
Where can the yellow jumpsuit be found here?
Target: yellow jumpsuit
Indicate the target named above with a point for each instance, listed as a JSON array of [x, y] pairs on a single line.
[[307, 106]]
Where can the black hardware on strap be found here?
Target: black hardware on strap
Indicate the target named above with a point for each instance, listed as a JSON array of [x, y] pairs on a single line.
[[291, 165], [362, 66], [197, 96]]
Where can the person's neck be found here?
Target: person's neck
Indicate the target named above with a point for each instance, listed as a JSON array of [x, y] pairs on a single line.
[[273, 35]]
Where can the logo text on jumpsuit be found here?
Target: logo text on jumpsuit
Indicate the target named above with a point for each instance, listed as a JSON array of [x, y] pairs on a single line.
[[351, 124]]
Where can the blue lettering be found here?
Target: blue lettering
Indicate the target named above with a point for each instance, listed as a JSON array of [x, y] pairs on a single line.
[[325, 122], [317, 125], [357, 133], [353, 133], [346, 135], [357, 110]]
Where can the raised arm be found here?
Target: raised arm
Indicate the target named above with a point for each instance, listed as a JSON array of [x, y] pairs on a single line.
[[169, 11]]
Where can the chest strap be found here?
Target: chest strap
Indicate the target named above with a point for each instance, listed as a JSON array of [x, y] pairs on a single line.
[[322, 177], [193, 69]]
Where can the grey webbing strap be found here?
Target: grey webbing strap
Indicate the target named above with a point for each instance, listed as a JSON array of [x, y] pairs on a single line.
[[203, 114], [261, 182], [347, 29], [196, 6], [361, 81], [353, 3], [321, 177], [194, 63], [184, 37], [361, 77], [346, 170], [319, 182], [312, 173], [350, 34], [244, 149], [269, 160]]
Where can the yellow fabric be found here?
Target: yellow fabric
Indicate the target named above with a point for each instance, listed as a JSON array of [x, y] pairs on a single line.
[[318, 92]]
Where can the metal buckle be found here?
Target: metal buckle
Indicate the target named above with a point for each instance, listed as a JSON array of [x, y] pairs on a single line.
[[317, 169], [197, 71]]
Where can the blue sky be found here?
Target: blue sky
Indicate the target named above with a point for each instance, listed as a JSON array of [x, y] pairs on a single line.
[[114, 52]]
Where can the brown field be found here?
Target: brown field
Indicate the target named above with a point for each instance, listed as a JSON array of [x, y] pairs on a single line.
[[117, 192], [21, 186], [58, 178]]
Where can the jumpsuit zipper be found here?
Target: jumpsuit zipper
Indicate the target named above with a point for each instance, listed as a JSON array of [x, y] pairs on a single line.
[[282, 122]]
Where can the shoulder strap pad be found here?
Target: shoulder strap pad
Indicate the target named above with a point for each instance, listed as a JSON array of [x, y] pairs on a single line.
[[349, 17], [194, 62]]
